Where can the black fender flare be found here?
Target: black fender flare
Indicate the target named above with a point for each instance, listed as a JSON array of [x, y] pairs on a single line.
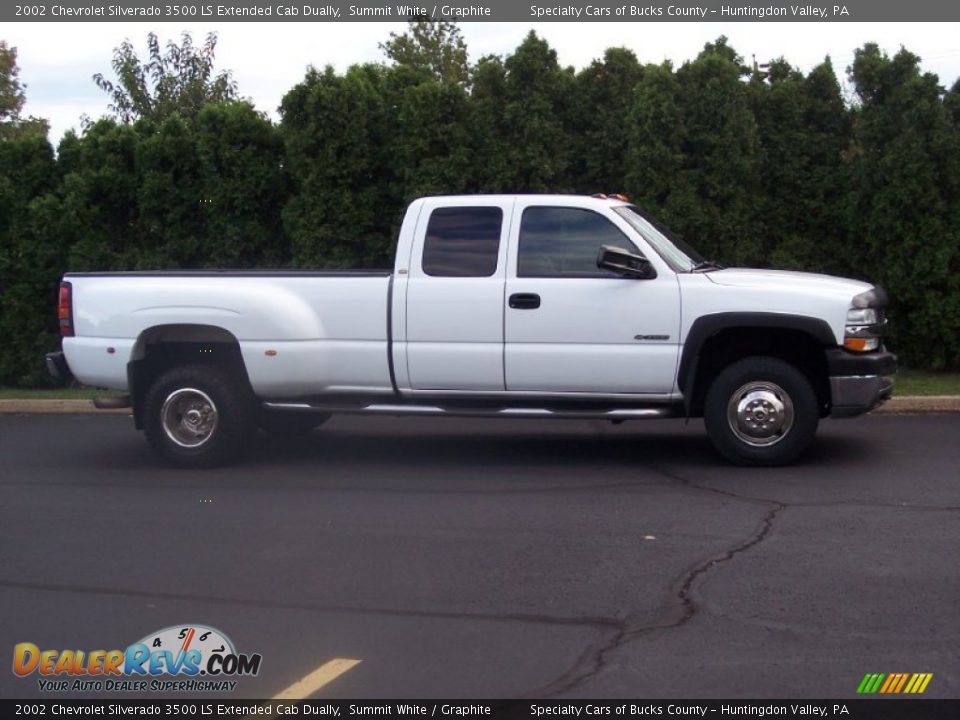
[[707, 326]]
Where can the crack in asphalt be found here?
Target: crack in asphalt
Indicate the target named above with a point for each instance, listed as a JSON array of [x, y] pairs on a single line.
[[594, 657], [609, 634]]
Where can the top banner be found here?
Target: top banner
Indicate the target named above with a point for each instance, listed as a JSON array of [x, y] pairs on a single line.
[[492, 11]]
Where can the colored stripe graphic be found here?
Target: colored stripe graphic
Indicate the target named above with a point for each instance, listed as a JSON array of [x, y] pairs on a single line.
[[870, 683], [903, 680], [894, 683], [918, 683]]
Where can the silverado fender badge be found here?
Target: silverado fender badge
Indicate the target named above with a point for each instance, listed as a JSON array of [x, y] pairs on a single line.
[[651, 337]]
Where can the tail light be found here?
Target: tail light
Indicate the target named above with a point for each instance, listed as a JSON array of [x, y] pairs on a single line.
[[65, 309]]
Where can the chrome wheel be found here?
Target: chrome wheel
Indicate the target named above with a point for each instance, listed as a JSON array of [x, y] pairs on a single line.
[[189, 417], [760, 413]]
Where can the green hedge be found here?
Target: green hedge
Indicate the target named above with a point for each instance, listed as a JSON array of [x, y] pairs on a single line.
[[775, 170]]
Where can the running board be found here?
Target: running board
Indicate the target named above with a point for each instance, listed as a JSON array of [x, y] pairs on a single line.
[[454, 411]]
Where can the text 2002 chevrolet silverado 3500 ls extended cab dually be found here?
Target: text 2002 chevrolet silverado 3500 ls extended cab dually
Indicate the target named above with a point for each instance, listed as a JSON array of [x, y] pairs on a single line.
[[499, 306]]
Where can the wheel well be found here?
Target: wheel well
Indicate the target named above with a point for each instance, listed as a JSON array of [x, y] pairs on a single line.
[[729, 345], [161, 348]]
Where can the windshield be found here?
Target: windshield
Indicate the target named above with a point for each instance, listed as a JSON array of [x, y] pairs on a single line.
[[678, 255]]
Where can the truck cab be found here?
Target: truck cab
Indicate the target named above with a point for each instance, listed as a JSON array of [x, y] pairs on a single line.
[[504, 295]]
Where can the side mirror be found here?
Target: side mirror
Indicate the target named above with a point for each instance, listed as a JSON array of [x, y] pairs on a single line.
[[624, 263]]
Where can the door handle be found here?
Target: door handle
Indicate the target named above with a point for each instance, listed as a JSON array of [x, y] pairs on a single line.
[[524, 301]]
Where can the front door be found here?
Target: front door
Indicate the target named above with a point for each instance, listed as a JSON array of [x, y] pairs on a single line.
[[571, 327]]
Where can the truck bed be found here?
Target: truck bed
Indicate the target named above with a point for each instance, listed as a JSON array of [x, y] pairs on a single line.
[[299, 332]]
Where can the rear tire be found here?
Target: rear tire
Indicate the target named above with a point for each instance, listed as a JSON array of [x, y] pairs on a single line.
[[761, 411], [198, 416]]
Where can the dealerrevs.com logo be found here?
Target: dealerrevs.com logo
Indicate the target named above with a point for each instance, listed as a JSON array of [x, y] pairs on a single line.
[[201, 659]]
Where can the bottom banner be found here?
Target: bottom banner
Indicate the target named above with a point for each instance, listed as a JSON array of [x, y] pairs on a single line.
[[878, 709]]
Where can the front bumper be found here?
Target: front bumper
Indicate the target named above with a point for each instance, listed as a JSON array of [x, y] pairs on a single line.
[[859, 383], [58, 368]]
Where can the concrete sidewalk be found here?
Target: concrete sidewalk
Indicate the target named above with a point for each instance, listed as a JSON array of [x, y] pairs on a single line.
[[904, 404]]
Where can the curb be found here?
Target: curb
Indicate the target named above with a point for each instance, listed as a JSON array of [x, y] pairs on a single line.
[[896, 405], [921, 404], [53, 406]]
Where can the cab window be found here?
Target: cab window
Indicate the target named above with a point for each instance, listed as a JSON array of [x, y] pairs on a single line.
[[462, 242], [564, 242]]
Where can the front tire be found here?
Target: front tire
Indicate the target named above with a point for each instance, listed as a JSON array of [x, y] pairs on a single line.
[[198, 416], [761, 411]]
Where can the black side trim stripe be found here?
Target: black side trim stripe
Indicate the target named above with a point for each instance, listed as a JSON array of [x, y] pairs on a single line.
[[393, 376]]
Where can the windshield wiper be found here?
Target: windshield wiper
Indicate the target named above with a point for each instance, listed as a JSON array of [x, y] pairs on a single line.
[[706, 265]]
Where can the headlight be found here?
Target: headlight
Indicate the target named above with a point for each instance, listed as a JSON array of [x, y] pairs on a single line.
[[865, 326], [862, 316]]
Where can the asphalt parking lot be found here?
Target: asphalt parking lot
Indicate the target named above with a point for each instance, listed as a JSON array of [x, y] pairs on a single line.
[[497, 559]]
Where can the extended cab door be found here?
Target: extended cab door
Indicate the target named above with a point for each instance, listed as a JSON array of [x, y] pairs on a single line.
[[454, 294], [571, 327]]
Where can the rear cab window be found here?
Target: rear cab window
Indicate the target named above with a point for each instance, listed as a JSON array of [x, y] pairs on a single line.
[[462, 241]]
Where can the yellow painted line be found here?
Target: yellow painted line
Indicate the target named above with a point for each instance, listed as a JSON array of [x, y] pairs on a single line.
[[323, 675], [926, 681]]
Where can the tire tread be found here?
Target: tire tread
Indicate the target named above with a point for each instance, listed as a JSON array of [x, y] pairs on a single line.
[[234, 407], [792, 380]]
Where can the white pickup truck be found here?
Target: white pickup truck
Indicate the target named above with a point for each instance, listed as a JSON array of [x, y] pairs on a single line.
[[509, 306]]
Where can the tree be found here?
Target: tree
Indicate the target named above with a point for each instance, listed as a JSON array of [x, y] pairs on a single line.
[[902, 209], [337, 131], [695, 154], [522, 110], [31, 252], [804, 132], [12, 91], [179, 81], [430, 149], [12, 99], [435, 49], [243, 186], [99, 192], [601, 104], [952, 103], [489, 132], [211, 191], [655, 157], [777, 171]]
